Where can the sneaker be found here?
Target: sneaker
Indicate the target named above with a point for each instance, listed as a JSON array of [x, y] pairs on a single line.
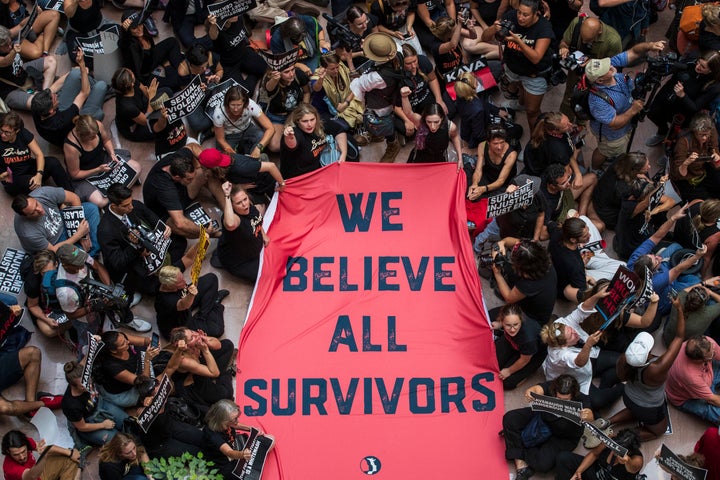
[[51, 401], [362, 139], [221, 295], [137, 324], [524, 473], [655, 140], [151, 27], [137, 296]]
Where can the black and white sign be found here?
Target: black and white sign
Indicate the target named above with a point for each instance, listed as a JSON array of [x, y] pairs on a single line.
[[259, 446], [25, 31], [216, 95], [655, 200], [121, 173], [280, 61], [568, 409], [647, 290], [228, 9], [199, 216], [94, 346], [507, 202], [91, 45], [72, 217], [185, 101], [678, 468], [154, 261], [150, 413], [10, 278], [609, 442]]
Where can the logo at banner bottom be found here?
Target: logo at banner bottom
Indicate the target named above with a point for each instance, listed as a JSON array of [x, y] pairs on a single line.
[[370, 465]]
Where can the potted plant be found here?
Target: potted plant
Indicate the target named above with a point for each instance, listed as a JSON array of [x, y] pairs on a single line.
[[185, 467]]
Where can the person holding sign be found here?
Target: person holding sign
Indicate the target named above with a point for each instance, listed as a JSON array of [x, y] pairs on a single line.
[[200, 61], [564, 436], [89, 152], [14, 16], [644, 394], [694, 155], [24, 165], [495, 167], [301, 31], [434, 133], [54, 463], [602, 462], [222, 437], [570, 349], [90, 416]]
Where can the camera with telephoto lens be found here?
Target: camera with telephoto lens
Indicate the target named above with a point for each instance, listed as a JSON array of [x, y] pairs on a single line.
[[487, 261], [657, 68], [557, 74], [504, 30], [574, 62], [103, 297]]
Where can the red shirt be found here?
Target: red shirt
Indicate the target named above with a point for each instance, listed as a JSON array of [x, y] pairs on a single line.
[[14, 470], [709, 445]]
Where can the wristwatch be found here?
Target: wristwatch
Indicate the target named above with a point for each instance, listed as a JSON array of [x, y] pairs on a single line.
[[41, 172]]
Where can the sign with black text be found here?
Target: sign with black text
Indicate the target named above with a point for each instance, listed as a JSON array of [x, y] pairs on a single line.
[[655, 200], [121, 173], [678, 468], [91, 45], [280, 61], [11, 280], [94, 346], [259, 446], [154, 261], [228, 9], [216, 95], [72, 217], [150, 413], [622, 286], [568, 409], [507, 202], [647, 290], [199, 216], [25, 31], [185, 101], [479, 69]]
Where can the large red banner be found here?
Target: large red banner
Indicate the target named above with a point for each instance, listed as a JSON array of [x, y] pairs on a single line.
[[366, 349]]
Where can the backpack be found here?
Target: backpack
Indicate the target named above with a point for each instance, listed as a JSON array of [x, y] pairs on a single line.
[[690, 20], [580, 98], [48, 290]]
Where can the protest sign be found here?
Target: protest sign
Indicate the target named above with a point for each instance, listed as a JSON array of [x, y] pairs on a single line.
[[349, 299], [655, 200], [479, 68], [609, 442], [216, 96], [185, 101], [228, 9], [150, 413], [199, 256], [199, 216], [154, 261], [259, 446], [11, 280], [25, 30], [678, 468], [507, 202], [72, 218], [280, 61], [94, 346], [621, 287], [58, 5], [121, 173], [568, 409], [646, 292]]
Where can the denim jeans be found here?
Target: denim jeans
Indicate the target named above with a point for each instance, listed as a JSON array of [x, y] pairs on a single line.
[[93, 105], [105, 410], [703, 408]]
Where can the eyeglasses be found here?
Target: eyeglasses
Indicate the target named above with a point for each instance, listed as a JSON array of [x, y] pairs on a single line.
[[6, 132]]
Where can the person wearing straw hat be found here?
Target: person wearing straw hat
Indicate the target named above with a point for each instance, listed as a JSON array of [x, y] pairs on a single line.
[[379, 89]]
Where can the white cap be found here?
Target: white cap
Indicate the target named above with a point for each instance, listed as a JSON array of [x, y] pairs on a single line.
[[638, 351]]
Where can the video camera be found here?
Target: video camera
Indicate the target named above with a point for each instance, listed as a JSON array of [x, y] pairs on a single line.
[[573, 62], [657, 68], [342, 36], [103, 297], [146, 238]]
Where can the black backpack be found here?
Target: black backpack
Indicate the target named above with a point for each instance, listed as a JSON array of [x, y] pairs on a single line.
[[580, 99]]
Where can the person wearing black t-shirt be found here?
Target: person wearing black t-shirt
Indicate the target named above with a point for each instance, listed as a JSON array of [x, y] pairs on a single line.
[[531, 277], [243, 236], [565, 252], [286, 91], [518, 348], [24, 167], [242, 63], [527, 56]]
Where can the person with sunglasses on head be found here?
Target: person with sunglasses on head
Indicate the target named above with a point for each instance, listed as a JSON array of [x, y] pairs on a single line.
[[559, 198], [496, 165]]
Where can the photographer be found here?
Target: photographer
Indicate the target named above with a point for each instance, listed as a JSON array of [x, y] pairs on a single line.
[[527, 56], [694, 155], [690, 90], [591, 38], [612, 123], [531, 277]]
